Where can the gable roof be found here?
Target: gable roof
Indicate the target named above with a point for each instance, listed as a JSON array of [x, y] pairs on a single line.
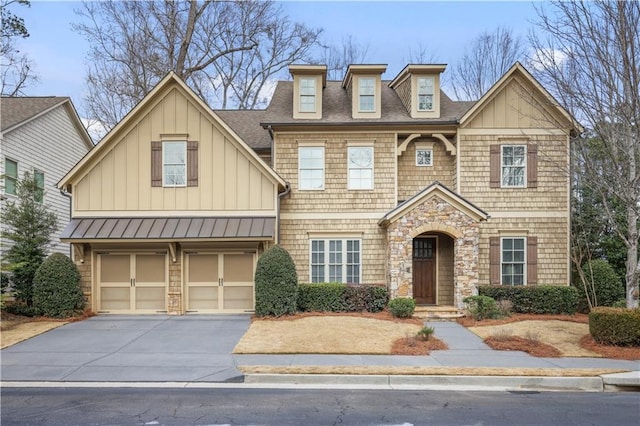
[[170, 80], [436, 188], [519, 69], [16, 111], [336, 108]]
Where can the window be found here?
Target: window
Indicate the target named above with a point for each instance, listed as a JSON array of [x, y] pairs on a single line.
[[311, 167], [366, 91], [425, 93], [335, 260], [174, 164], [10, 176], [307, 95], [360, 167], [512, 264], [513, 165], [39, 178], [424, 157]]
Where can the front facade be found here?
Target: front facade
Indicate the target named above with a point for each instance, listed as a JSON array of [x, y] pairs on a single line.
[[362, 180], [42, 136]]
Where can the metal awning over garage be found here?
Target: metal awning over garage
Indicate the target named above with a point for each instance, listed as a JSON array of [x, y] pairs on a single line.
[[170, 229]]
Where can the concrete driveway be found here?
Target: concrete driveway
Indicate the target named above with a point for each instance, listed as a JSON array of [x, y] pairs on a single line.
[[131, 348]]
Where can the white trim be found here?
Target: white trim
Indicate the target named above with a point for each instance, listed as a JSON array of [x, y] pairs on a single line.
[[186, 162], [510, 131], [373, 157], [344, 253], [429, 150], [319, 215], [564, 213], [107, 214], [323, 235], [524, 262], [524, 166], [324, 167], [311, 143]]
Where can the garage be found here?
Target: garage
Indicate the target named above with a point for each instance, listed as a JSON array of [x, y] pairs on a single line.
[[132, 283], [219, 282]]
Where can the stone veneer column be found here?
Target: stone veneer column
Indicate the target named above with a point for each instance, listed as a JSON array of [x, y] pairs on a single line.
[[85, 278], [434, 215], [174, 301]]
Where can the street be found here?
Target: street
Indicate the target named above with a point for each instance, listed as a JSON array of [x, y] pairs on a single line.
[[236, 406]]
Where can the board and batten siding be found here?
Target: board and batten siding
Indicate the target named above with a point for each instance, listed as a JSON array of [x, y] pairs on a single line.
[[121, 180], [52, 144]]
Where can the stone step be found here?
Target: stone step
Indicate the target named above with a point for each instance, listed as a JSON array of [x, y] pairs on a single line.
[[438, 313]]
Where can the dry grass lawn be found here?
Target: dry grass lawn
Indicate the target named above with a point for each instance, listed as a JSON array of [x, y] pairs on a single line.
[[18, 332], [563, 335], [324, 335]]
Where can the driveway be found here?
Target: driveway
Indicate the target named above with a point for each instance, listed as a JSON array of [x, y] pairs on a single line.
[[132, 349]]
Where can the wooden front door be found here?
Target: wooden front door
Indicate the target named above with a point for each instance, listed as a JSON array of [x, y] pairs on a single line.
[[424, 271]]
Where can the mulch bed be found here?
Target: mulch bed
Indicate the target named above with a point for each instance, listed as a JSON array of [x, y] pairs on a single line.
[[631, 353], [413, 346], [517, 343], [470, 322]]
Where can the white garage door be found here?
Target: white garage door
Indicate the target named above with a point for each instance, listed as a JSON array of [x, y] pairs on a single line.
[[132, 283], [219, 282]]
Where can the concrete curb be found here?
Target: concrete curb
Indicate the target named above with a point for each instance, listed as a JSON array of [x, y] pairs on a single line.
[[622, 382], [495, 383]]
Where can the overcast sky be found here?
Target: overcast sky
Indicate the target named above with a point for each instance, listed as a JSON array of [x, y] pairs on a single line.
[[389, 29]]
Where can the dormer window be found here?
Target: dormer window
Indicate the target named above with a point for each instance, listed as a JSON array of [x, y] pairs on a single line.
[[425, 93], [307, 94], [366, 92]]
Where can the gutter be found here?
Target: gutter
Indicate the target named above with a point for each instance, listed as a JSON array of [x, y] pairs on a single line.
[[269, 126]]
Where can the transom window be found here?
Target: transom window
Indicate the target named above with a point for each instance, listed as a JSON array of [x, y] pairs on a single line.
[[10, 176], [514, 160], [39, 179], [424, 157], [307, 95], [311, 167], [335, 260], [360, 167], [425, 93], [174, 163], [513, 264], [366, 91]]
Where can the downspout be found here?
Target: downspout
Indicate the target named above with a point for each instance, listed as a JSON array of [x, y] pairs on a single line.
[[287, 190]]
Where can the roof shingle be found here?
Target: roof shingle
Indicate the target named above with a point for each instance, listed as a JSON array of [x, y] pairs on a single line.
[[15, 110]]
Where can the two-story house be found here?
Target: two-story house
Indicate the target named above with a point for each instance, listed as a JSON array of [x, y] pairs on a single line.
[[44, 137], [362, 180]]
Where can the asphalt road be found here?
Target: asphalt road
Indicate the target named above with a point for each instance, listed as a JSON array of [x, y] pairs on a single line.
[[152, 406]]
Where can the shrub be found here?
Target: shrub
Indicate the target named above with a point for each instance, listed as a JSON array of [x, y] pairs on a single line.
[[20, 308], [402, 307], [482, 307], [56, 287], [615, 326], [543, 299], [276, 283], [425, 333], [338, 297], [322, 297], [607, 287]]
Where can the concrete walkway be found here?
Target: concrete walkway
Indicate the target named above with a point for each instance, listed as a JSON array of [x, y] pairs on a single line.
[[197, 349]]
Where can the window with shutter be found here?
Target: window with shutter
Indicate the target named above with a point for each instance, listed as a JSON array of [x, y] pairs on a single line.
[[513, 166], [174, 163], [513, 260]]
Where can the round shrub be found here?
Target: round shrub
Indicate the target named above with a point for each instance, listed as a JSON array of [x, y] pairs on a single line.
[[607, 289], [482, 307], [56, 287], [276, 283], [402, 307], [615, 326]]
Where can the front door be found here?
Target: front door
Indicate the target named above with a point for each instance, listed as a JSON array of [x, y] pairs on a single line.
[[424, 271]]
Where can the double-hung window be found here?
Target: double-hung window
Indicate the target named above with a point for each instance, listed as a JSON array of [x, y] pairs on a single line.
[[336, 260], [425, 93], [307, 95], [360, 159], [311, 167], [39, 179], [514, 162], [174, 163], [512, 262], [366, 92], [10, 176]]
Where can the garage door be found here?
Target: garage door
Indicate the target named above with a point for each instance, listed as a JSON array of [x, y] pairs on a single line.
[[219, 282], [132, 283]]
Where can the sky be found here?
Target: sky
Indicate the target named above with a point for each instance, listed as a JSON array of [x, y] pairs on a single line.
[[389, 29]]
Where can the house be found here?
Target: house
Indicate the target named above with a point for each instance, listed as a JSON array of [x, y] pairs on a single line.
[[45, 137], [362, 180]]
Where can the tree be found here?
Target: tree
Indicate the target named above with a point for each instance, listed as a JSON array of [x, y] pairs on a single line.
[[225, 50], [16, 72], [31, 224], [337, 58], [486, 59], [587, 54]]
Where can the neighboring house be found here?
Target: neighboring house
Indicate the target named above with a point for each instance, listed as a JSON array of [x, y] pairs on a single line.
[[371, 181], [45, 137]]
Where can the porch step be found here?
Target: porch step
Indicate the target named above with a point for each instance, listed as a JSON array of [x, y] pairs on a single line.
[[438, 313]]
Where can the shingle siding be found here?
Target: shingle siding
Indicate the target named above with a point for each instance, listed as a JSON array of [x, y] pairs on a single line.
[[413, 179]]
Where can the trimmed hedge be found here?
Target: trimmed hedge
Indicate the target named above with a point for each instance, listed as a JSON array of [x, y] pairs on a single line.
[[542, 299], [615, 326], [401, 307], [339, 297], [56, 287], [276, 283], [482, 307]]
